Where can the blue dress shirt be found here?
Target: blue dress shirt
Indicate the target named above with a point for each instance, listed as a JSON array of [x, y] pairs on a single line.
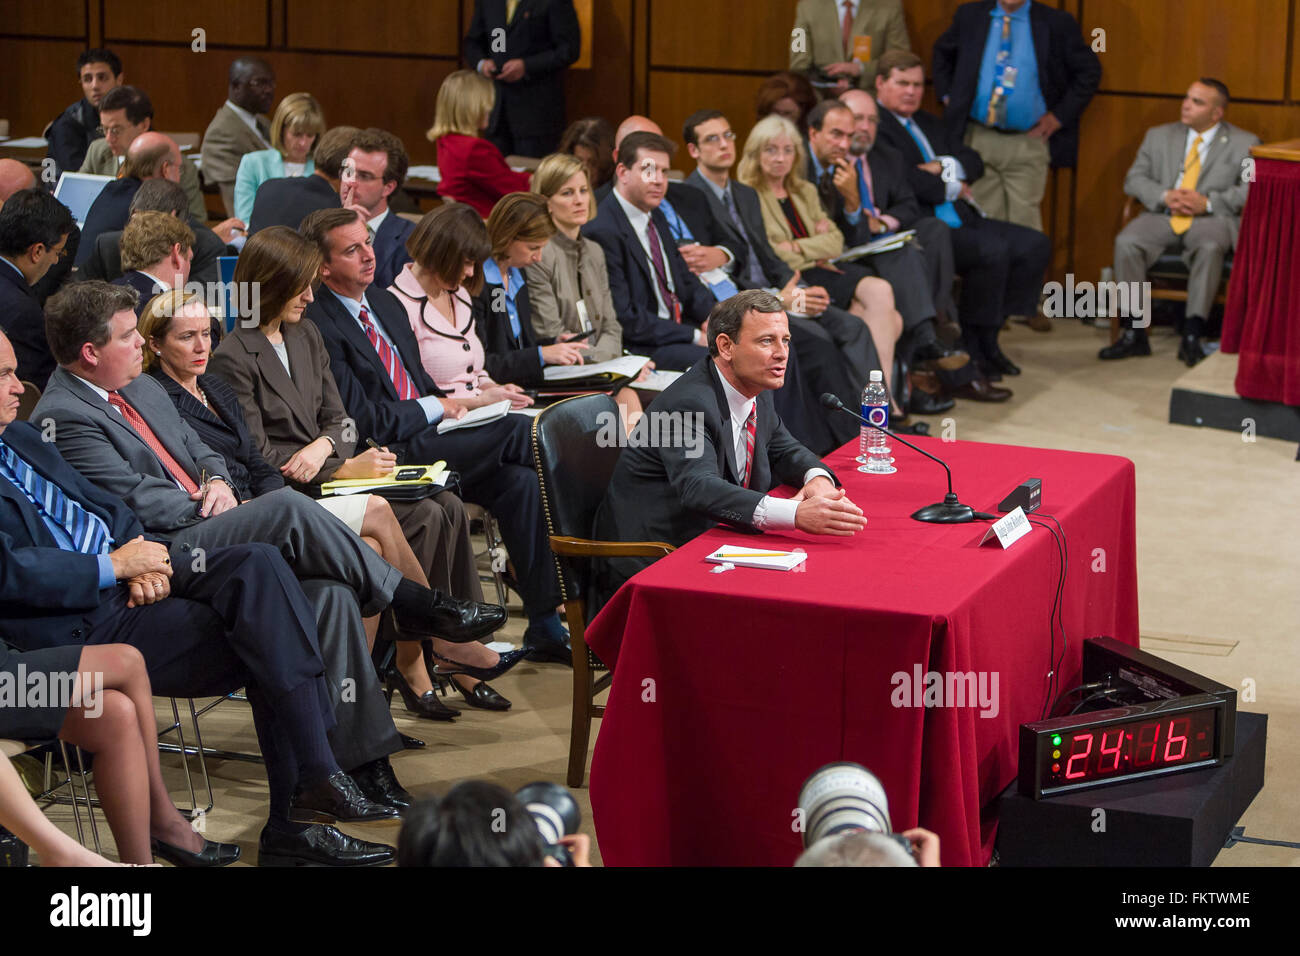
[[1025, 104]]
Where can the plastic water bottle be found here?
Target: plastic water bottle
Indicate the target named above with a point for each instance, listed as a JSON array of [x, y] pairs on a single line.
[[873, 443]]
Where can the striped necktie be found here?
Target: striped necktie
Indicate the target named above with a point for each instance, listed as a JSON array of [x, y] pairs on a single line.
[[751, 429], [88, 533], [392, 362]]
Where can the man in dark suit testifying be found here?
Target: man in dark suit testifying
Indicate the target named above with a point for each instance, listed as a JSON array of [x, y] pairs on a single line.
[[675, 493], [524, 47]]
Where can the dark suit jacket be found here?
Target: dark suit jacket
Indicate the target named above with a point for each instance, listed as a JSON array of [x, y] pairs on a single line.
[[285, 413], [223, 429], [546, 36], [753, 242], [71, 134], [39, 578], [507, 357], [108, 213], [146, 287], [927, 187], [23, 321], [633, 286], [368, 393], [665, 494], [287, 202], [105, 260], [1068, 71], [390, 248]]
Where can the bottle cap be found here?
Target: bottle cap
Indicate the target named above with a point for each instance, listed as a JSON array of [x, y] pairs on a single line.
[[877, 375]]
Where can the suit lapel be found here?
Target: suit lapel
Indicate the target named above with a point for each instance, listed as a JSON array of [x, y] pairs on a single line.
[[632, 239], [728, 435], [357, 339], [403, 339], [1042, 40], [142, 398], [36, 529], [115, 419], [272, 371], [1215, 149], [718, 208]]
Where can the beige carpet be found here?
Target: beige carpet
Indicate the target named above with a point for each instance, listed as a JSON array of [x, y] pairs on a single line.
[[1218, 570]]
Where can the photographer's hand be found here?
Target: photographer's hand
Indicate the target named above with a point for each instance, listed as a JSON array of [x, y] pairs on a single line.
[[925, 846]]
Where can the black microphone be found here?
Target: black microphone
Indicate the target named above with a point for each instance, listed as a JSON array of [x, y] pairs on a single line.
[[948, 511]]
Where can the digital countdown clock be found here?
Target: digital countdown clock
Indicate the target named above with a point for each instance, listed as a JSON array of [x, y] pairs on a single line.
[[1121, 744]]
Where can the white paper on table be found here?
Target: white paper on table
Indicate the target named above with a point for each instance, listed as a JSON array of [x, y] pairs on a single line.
[[424, 172], [27, 142], [768, 558], [629, 365], [657, 380], [475, 417]]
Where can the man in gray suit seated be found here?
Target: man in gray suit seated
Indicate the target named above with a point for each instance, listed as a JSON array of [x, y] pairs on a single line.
[[121, 431], [1190, 176]]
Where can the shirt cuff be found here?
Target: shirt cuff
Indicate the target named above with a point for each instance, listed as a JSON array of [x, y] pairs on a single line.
[[812, 473], [107, 576], [432, 408], [730, 257], [853, 217], [540, 357], [1209, 207], [952, 190], [775, 514]]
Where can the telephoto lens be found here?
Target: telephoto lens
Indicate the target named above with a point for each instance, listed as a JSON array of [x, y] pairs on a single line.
[[843, 797], [556, 814]]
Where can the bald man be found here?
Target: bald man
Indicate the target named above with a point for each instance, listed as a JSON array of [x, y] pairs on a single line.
[[150, 156], [240, 126], [14, 176]]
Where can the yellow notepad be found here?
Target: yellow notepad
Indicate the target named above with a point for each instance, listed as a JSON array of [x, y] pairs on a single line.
[[435, 474]]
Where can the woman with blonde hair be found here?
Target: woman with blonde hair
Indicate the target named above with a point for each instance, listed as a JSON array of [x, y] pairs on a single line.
[[806, 239], [295, 128], [471, 169], [568, 288]]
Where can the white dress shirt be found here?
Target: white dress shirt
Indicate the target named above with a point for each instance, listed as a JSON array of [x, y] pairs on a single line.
[[374, 224], [641, 221], [772, 514]]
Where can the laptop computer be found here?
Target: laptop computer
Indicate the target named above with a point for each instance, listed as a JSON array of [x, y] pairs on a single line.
[[78, 191]]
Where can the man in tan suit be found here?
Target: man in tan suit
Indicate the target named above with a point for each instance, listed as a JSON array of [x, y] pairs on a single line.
[[240, 125], [124, 113], [1190, 177], [837, 42]]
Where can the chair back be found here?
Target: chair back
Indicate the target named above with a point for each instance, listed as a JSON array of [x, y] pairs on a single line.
[[576, 445], [27, 401]]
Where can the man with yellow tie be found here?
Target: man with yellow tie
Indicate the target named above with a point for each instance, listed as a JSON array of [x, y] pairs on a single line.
[[1191, 178]]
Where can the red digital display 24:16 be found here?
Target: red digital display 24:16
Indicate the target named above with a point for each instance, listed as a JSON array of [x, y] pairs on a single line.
[[1131, 748]]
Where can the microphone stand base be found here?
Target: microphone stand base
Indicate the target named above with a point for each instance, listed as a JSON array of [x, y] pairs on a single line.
[[945, 512]]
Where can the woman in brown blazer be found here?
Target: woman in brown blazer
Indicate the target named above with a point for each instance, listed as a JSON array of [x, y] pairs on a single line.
[[280, 372], [806, 238]]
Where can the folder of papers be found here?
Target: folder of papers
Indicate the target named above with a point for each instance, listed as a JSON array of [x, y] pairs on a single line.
[[758, 558]]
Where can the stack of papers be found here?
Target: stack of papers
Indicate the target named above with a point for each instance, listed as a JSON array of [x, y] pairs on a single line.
[[883, 244], [435, 474], [625, 366], [657, 381], [475, 417], [757, 558]]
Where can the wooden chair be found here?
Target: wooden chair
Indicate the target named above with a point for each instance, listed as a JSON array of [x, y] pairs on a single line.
[[1168, 275], [27, 401], [574, 471]]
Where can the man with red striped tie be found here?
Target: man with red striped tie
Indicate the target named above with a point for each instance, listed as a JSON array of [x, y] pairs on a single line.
[[718, 447]]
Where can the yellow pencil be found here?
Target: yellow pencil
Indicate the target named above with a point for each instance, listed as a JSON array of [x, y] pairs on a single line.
[[757, 554]]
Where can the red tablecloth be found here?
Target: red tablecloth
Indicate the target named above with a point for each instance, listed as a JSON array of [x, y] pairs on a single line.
[[729, 689], [1261, 319]]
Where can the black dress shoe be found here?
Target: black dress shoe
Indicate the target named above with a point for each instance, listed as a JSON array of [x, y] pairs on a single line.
[[999, 361], [319, 846], [1130, 342], [1190, 351], [452, 620], [928, 403], [409, 742], [446, 666], [935, 356], [981, 391], [212, 854], [426, 705], [336, 799], [481, 695], [377, 781]]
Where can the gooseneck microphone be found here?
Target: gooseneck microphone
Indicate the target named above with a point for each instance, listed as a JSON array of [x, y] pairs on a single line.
[[948, 511]]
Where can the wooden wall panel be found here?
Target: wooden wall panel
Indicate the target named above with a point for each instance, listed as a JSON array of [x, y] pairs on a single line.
[[30, 105], [428, 27], [605, 89], [50, 18], [1160, 48], [675, 96], [721, 36], [229, 23]]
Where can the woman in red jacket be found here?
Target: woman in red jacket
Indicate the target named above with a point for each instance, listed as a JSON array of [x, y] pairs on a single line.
[[472, 170]]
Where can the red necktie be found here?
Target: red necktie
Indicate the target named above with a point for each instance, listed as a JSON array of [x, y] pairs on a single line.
[[661, 271], [751, 427], [847, 29], [144, 431], [393, 364]]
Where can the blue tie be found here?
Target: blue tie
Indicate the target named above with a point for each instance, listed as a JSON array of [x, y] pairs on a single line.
[[945, 211], [87, 532]]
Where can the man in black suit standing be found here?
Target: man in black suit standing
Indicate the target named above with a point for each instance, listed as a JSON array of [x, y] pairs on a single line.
[[1014, 78], [373, 353], [524, 47], [34, 228], [380, 161], [288, 201], [673, 493], [71, 134], [1001, 264]]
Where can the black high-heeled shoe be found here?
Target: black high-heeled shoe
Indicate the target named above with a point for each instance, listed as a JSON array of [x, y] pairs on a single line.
[[508, 660], [481, 696], [424, 705]]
